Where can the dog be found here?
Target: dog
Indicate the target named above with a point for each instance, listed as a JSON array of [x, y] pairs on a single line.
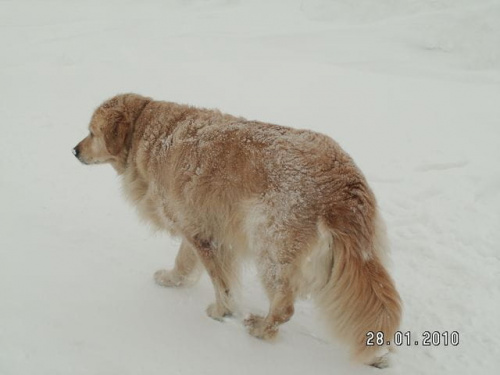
[[229, 187]]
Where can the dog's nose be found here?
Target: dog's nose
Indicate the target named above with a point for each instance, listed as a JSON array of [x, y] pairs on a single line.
[[76, 151]]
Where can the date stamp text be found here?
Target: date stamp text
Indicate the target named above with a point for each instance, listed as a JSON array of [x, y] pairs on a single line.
[[429, 338]]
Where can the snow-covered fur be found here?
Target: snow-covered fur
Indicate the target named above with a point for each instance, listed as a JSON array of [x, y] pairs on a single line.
[[229, 187]]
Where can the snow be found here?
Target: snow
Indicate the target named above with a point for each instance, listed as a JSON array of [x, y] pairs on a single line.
[[409, 88]]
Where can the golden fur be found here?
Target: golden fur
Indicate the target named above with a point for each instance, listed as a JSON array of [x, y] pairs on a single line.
[[293, 199]]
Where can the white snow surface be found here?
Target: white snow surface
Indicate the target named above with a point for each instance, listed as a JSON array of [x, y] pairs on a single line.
[[410, 88]]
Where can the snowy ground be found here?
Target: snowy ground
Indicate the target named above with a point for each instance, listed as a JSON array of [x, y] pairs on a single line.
[[411, 88]]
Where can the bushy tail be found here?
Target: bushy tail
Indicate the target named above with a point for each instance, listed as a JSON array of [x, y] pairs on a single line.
[[360, 296]]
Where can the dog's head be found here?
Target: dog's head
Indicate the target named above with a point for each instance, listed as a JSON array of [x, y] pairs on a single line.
[[110, 130]]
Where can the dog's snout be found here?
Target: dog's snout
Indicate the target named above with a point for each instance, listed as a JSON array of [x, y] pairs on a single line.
[[76, 151]]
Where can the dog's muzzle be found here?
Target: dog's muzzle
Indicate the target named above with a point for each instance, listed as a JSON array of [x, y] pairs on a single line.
[[76, 152]]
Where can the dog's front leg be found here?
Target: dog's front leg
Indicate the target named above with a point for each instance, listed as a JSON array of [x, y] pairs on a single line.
[[219, 263], [186, 271]]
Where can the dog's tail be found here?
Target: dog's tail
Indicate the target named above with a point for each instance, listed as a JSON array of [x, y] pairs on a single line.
[[360, 299]]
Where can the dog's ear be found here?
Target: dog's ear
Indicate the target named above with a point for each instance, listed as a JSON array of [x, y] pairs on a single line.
[[134, 104], [116, 131]]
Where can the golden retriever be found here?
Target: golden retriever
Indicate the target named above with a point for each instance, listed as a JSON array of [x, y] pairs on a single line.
[[292, 199]]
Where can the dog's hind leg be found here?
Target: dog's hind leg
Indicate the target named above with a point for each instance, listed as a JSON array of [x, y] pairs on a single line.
[[186, 271], [279, 267], [280, 311], [219, 262], [278, 281]]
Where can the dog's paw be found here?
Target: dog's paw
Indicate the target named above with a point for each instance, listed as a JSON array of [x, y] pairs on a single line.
[[218, 312], [167, 278], [258, 327], [380, 362]]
